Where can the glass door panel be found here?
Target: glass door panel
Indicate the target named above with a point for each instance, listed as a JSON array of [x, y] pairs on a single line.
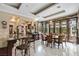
[[47, 27], [64, 28], [39, 27], [57, 28], [51, 28], [72, 30]]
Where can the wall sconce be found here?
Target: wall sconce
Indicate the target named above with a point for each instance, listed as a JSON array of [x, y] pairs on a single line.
[[13, 19], [4, 24]]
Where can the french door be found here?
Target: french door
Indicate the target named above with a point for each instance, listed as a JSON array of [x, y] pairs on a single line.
[[73, 30]]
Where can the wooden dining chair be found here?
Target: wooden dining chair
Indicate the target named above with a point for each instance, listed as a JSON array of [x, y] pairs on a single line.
[[43, 38], [49, 40], [61, 40], [23, 47], [65, 39], [31, 39]]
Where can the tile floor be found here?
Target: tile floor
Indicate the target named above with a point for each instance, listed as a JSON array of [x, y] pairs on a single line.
[[41, 50]]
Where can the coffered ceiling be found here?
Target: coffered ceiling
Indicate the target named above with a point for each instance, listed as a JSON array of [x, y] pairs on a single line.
[[44, 11], [15, 5]]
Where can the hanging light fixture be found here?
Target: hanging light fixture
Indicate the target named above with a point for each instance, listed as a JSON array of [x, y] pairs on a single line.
[[50, 22], [32, 24]]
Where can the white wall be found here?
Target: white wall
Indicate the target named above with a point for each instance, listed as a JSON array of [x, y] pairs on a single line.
[[7, 17], [4, 17]]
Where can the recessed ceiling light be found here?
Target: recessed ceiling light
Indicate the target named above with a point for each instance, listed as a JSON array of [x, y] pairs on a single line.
[[26, 5], [58, 6], [36, 19]]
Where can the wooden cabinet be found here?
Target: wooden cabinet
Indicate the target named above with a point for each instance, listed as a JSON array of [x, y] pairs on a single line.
[[7, 51]]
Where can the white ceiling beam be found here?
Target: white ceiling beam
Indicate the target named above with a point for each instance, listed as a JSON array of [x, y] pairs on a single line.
[[14, 11]]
